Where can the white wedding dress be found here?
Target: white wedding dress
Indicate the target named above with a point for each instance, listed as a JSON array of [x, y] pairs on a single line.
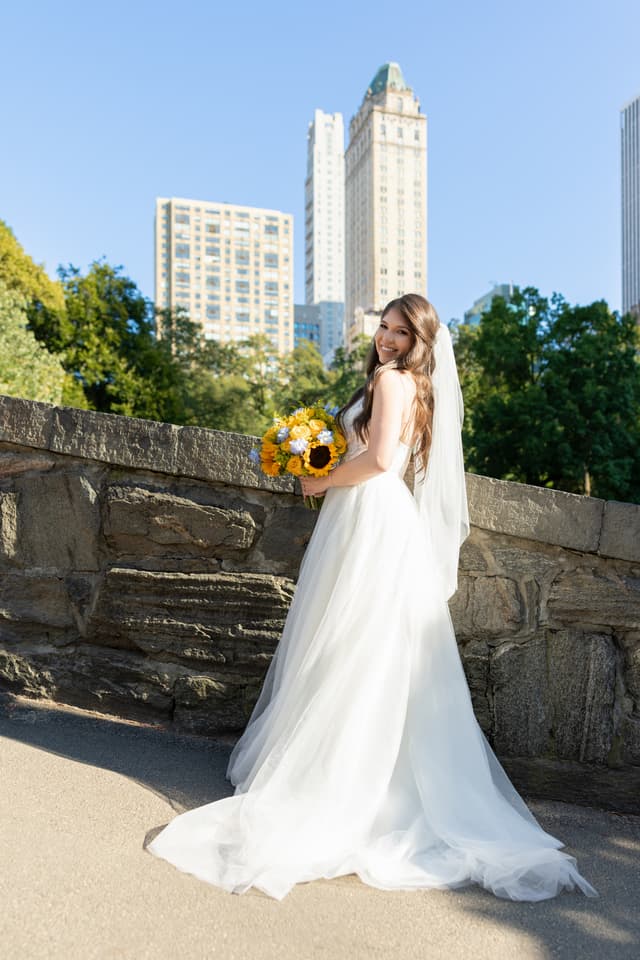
[[363, 754]]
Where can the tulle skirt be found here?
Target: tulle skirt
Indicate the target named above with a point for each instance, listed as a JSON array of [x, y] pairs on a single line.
[[363, 754]]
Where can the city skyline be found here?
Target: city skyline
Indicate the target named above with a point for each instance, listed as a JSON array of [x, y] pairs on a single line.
[[524, 151]]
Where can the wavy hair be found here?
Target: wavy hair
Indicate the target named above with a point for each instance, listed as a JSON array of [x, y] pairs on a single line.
[[422, 320]]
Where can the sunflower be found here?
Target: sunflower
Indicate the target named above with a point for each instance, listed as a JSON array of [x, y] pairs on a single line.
[[319, 459]]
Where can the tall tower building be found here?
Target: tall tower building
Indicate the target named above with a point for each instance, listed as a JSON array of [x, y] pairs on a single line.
[[229, 266], [630, 169], [385, 198], [324, 226]]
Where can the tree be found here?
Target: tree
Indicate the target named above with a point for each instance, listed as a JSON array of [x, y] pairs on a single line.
[[27, 369], [347, 370], [304, 378], [43, 298], [551, 395]]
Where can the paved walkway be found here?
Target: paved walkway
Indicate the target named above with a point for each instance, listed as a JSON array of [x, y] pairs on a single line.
[[80, 794]]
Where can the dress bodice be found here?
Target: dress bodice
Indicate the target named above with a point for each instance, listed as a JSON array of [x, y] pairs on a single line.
[[356, 446]]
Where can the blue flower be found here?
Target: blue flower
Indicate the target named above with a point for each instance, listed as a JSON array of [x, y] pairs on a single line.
[[299, 410], [298, 446], [282, 434], [331, 410], [325, 436], [254, 455]]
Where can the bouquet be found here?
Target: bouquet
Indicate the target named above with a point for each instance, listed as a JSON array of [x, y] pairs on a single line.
[[306, 443]]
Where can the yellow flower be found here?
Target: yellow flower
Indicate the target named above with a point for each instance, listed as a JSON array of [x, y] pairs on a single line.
[[319, 459], [268, 450], [300, 432], [295, 466], [317, 425], [271, 468], [339, 442], [271, 434]]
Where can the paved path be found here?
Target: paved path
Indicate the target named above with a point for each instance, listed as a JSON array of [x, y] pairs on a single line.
[[80, 794]]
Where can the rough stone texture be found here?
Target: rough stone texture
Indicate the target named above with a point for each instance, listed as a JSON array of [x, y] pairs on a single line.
[[214, 619], [547, 516], [58, 518], [146, 570], [140, 522], [596, 596], [620, 535], [520, 723]]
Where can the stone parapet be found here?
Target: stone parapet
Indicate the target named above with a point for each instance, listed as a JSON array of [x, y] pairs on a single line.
[[146, 570]]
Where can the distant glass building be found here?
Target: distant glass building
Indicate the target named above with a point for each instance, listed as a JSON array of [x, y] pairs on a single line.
[[306, 323], [630, 172], [324, 227], [482, 304], [229, 266]]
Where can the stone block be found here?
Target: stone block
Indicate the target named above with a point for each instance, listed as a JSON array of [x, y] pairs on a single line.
[[114, 439], [25, 422], [582, 681], [532, 561], [224, 458], [486, 607], [475, 661], [194, 618], [285, 536], [58, 520], [210, 705], [598, 597], [620, 535], [143, 522], [518, 680], [535, 513], [14, 462], [34, 599], [8, 525], [114, 682], [631, 740]]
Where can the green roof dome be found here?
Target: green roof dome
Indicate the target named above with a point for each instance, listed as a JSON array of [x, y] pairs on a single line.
[[388, 77]]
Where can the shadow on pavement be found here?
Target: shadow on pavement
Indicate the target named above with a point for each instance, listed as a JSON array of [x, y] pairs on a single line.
[[185, 770], [189, 771]]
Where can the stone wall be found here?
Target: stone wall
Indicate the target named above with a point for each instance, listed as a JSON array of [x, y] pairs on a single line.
[[146, 570]]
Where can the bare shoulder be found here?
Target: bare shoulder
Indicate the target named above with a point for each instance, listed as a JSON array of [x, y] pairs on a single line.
[[398, 381]]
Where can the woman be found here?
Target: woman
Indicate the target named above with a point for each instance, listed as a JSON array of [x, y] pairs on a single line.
[[363, 754]]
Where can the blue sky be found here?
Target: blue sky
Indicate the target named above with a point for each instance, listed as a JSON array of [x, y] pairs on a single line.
[[106, 106]]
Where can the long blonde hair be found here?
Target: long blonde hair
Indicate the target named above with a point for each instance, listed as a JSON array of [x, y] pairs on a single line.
[[421, 318]]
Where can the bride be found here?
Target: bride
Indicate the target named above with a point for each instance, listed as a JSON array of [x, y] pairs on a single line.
[[363, 754]]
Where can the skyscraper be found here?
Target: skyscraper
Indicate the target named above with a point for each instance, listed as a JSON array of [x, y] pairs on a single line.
[[324, 226], [229, 266], [630, 169], [385, 197]]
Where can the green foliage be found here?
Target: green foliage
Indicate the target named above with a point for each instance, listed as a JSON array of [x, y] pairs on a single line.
[[552, 393], [42, 297], [27, 369], [120, 354]]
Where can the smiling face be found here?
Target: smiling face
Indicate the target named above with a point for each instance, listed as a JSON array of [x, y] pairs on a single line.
[[393, 338]]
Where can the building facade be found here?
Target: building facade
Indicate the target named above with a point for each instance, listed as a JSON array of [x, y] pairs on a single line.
[[324, 226], [473, 315], [229, 266], [385, 196], [306, 323], [630, 172]]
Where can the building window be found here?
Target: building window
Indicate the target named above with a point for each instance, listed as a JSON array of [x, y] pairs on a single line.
[[183, 251]]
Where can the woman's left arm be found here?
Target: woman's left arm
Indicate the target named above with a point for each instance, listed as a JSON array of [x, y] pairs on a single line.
[[384, 433]]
